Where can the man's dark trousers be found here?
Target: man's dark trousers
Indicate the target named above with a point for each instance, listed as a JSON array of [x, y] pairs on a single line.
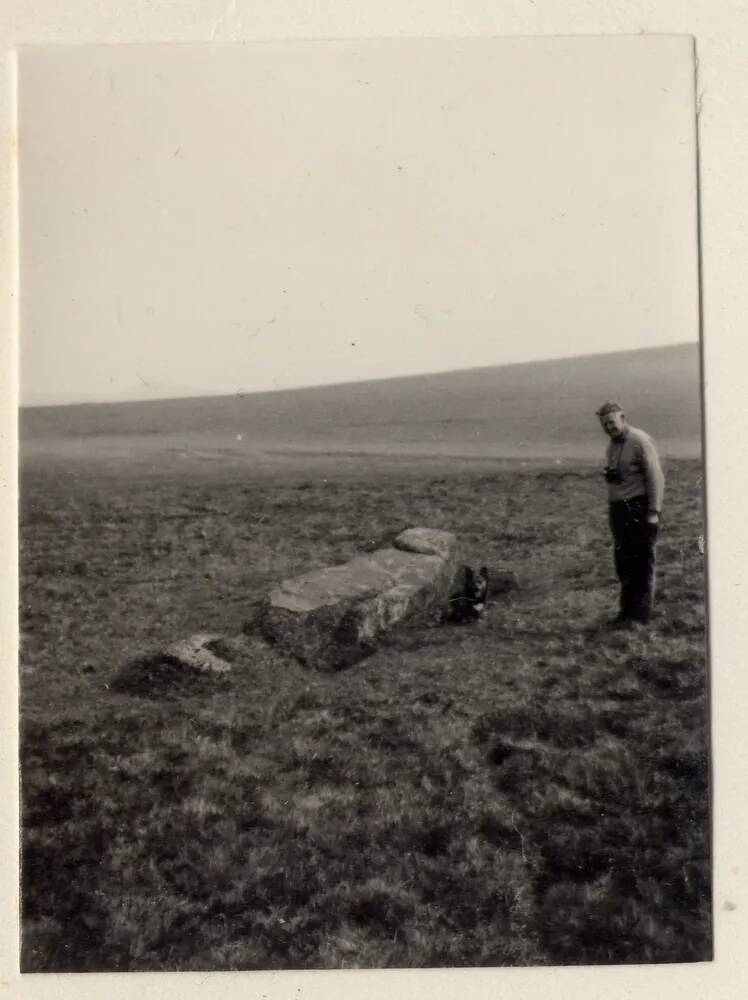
[[634, 541]]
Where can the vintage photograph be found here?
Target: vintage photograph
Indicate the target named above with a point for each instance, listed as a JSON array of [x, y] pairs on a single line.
[[362, 531]]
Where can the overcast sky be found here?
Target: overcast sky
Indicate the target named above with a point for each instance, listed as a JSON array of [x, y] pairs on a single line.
[[213, 219]]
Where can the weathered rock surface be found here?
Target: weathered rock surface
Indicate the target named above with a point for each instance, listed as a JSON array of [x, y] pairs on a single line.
[[200, 663], [428, 542], [332, 617], [195, 653]]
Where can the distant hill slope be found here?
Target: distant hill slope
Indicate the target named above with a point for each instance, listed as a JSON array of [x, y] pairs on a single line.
[[541, 408]]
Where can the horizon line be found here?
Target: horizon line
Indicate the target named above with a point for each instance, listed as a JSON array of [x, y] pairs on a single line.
[[352, 382]]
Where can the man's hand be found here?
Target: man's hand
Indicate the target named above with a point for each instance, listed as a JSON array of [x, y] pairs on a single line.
[[653, 518]]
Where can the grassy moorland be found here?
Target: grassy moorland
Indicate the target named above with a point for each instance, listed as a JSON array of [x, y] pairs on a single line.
[[531, 789], [522, 410]]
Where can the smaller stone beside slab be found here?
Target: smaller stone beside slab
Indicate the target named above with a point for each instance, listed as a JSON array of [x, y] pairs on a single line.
[[428, 542], [200, 662], [194, 654]]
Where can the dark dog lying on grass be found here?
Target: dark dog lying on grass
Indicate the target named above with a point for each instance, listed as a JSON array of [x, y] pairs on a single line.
[[468, 601]]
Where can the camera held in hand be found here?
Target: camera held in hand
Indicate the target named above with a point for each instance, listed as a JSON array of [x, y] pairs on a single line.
[[611, 475]]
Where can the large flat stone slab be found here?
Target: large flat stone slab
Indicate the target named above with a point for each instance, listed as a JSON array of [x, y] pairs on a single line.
[[334, 616]]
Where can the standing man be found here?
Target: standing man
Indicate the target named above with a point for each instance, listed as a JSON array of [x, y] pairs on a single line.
[[636, 487]]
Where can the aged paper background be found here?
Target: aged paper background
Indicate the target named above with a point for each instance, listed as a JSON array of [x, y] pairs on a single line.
[[721, 31]]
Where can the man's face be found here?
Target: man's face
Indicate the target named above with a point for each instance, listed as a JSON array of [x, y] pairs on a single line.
[[613, 424]]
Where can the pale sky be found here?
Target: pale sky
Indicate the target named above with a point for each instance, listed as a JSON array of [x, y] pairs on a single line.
[[213, 219]]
